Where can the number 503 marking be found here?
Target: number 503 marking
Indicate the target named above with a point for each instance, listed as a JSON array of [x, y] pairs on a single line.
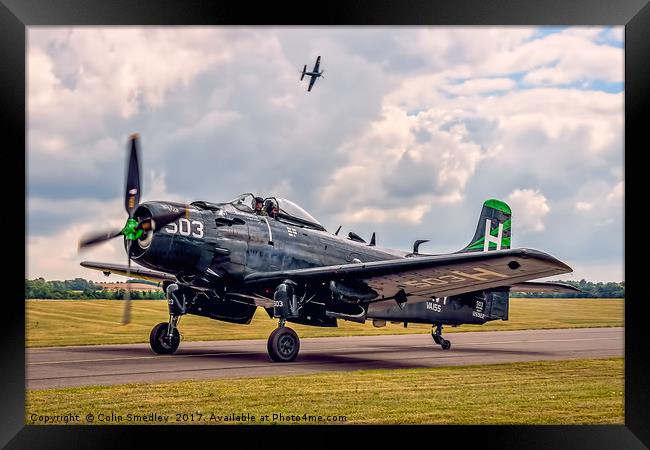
[[186, 228]]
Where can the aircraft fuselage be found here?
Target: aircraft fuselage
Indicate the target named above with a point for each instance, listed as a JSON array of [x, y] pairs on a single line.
[[213, 248], [233, 244]]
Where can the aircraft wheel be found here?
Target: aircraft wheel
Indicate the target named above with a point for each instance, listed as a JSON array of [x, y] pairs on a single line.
[[158, 339], [283, 345], [445, 344]]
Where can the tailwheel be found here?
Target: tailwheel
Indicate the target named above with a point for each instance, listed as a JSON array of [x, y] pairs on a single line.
[[160, 341], [283, 344], [435, 337], [436, 334]]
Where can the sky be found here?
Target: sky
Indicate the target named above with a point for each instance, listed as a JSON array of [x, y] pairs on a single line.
[[410, 130]]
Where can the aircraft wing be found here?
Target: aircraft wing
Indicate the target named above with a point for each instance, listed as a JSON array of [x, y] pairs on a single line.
[[545, 286], [136, 272], [311, 83], [430, 276], [317, 65]]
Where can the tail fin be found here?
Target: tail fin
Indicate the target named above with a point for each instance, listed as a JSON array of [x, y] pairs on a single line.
[[494, 228], [304, 69]]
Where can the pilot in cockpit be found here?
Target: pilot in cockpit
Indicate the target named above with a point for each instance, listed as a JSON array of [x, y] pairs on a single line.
[[258, 205], [271, 208]]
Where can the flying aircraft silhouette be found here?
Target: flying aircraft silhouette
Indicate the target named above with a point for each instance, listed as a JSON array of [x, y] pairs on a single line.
[[313, 74]]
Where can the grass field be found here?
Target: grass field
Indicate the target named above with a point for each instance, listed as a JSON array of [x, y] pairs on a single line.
[[77, 322], [586, 391]]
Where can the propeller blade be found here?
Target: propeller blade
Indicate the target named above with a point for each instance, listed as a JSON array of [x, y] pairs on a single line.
[[97, 238], [126, 311], [132, 194]]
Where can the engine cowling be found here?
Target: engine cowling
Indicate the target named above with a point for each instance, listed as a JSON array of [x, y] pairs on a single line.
[[182, 246]]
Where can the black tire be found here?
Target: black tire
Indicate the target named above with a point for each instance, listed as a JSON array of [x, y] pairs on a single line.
[[283, 345], [158, 339], [445, 344]]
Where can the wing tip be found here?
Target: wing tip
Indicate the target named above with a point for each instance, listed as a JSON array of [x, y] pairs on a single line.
[[531, 252]]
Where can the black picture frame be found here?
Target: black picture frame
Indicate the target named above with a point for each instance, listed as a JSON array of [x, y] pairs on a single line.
[[16, 15]]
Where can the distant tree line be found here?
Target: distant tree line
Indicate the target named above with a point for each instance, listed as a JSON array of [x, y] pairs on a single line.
[[87, 290], [83, 290], [589, 290]]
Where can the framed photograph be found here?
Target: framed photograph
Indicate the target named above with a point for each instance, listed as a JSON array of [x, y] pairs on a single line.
[[392, 215]]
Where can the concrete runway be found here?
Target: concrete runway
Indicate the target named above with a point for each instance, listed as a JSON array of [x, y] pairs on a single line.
[[56, 367]]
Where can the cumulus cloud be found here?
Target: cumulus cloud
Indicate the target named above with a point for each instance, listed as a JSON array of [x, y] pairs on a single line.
[[55, 256], [584, 206], [480, 86], [573, 53], [403, 160], [529, 207], [117, 70], [600, 200], [615, 34], [616, 195], [56, 226], [412, 127]]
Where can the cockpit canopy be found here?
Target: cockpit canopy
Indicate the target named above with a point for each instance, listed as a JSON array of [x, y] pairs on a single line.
[[288, 211]]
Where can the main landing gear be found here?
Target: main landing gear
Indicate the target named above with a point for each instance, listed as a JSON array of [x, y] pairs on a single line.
[[165, 337], [283, 344], [436, 334]]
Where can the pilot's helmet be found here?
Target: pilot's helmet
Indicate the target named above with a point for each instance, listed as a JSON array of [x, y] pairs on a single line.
[[257, 201], [269, 205]]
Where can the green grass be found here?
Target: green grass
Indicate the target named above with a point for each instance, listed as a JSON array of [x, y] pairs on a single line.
[[76, 322], [588, 391]]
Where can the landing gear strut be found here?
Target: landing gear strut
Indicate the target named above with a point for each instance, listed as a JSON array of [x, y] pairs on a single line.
[[436, 334], [165, 337], [283, 344]]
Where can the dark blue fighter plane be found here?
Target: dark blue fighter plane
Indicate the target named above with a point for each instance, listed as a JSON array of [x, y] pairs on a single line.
[[313, 74], [224, 260]]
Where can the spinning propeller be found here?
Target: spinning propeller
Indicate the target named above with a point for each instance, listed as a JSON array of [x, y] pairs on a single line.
[[133, 229]]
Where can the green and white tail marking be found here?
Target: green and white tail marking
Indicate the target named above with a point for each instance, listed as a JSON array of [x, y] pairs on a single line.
[[494, 229]]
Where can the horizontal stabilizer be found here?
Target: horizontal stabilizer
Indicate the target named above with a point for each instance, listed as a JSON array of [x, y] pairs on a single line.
[[541, 286], [355, 237]]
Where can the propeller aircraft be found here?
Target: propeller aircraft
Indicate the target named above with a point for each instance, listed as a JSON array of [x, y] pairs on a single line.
[[313, 74], [224, 260]]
